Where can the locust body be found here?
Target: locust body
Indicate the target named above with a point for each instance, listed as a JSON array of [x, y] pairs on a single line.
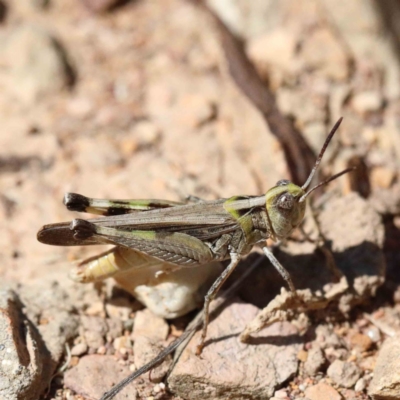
[[184, 235], [168, 290]]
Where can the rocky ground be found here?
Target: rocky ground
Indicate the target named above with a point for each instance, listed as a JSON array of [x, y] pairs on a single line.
[[150, 99]]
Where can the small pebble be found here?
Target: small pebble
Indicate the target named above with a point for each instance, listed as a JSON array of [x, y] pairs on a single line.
[[96, 309], [281, 394], [362, 323], [122, 343], [374, 334], [322, 391], [352, 357], [344, 373], [333, 354], [368, 363], [156, 389], [120, 308], [159, 388], [74, 361], [360, 385], [382, 177], [280, 398], [150, 325], [69, 395], [79, 349], [302, 387], [366, 102], [360, 341], [315, 361], [302, 355], [147, 132]]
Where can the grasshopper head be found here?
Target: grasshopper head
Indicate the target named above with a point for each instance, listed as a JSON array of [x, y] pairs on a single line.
[[285, 202], [284, 208]]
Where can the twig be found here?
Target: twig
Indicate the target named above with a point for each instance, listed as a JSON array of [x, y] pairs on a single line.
[[299, 155], [61, 369]]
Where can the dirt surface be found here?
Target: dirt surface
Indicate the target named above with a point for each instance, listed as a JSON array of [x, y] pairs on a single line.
[[150, 99]]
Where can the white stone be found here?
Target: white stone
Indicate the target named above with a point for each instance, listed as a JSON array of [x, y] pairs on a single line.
[[170, 294]]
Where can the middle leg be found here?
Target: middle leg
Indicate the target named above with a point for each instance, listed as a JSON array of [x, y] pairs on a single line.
[[212, 292]]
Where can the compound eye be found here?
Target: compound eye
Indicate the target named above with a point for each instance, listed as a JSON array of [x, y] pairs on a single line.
[[283, 182], [286, 201]]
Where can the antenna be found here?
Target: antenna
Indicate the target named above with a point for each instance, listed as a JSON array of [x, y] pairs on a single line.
[[302, 198], [321, 153]]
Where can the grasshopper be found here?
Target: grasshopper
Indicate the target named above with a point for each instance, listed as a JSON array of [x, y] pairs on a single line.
[[186, 235]]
